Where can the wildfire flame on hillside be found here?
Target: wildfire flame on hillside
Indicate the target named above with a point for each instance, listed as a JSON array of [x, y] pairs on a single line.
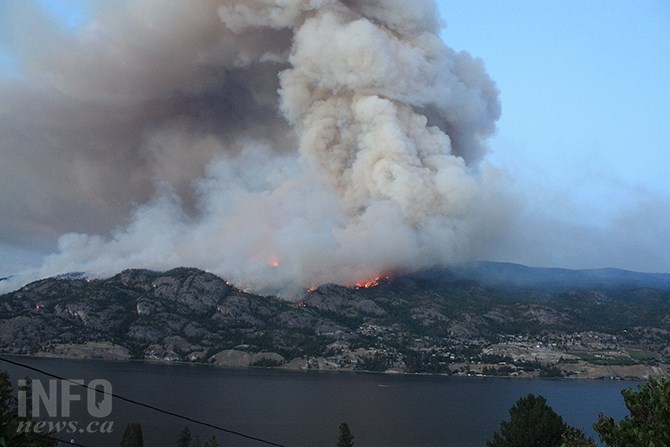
[[369, 283], [363, 284]]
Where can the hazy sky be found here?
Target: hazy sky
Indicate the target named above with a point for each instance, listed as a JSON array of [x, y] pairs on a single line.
[[586, 102], [584, 91], [581, 141]]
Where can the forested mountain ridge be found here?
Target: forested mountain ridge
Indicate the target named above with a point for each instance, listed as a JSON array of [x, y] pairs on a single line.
[[487, 318]]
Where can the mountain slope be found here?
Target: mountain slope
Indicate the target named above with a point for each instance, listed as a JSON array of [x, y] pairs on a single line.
[[434, 321]]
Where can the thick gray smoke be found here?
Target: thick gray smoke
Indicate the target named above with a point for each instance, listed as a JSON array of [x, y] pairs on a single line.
[[279, 143]]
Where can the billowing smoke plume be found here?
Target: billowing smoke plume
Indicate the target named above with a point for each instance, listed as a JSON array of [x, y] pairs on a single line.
[[279, 143]]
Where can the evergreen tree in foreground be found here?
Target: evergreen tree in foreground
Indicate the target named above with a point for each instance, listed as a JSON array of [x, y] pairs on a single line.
[[649, 422], [184, 439], [573, 437], [132, 436], [10, 435], [212, 442], [532, 423], [346, 439]]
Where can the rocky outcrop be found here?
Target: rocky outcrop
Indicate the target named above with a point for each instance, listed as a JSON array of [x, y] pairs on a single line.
[[421, 323]]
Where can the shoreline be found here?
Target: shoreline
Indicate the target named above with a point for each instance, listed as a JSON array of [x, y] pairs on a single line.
[[150, 361]]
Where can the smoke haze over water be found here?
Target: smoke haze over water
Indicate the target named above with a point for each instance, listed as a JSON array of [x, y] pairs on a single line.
[[279, 144]]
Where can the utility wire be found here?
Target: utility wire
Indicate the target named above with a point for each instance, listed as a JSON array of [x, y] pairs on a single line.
[[142, 404]]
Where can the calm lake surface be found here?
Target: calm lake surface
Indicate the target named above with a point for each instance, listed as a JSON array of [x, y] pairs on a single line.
[[305, 409]]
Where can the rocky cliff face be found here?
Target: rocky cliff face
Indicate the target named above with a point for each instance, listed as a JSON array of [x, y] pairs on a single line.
[[420, 323], [182, 314]]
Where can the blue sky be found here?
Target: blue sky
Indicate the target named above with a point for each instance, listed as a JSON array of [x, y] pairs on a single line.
[[584, 92], [70, 14]]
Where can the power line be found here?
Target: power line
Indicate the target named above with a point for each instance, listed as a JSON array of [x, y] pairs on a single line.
[[142, 404]]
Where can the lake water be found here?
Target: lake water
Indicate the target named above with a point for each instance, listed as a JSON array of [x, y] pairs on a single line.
[[305, 409]]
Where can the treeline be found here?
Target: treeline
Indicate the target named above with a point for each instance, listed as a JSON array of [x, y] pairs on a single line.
[[533, 422]]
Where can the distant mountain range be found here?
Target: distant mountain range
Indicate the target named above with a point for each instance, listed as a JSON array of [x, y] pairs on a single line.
[[508, 318], [515, 275]]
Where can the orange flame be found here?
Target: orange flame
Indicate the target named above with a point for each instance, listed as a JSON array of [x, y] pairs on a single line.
[[368, 283]]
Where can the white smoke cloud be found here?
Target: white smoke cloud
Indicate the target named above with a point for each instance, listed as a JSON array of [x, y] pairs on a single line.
[[279, 144]]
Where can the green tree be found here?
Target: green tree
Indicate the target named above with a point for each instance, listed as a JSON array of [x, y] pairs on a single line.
[[7, 400], [184, 439], [574, 437], [132, 436], [211, 442], [346, 439], [649, 422], [532, 423], [10, 420]]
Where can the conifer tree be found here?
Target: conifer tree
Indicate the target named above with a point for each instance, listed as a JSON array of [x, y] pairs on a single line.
[[649, 420], [184, 439], [532, 423], [132, 436], [346, 439], [573, 437], [11, 434]]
